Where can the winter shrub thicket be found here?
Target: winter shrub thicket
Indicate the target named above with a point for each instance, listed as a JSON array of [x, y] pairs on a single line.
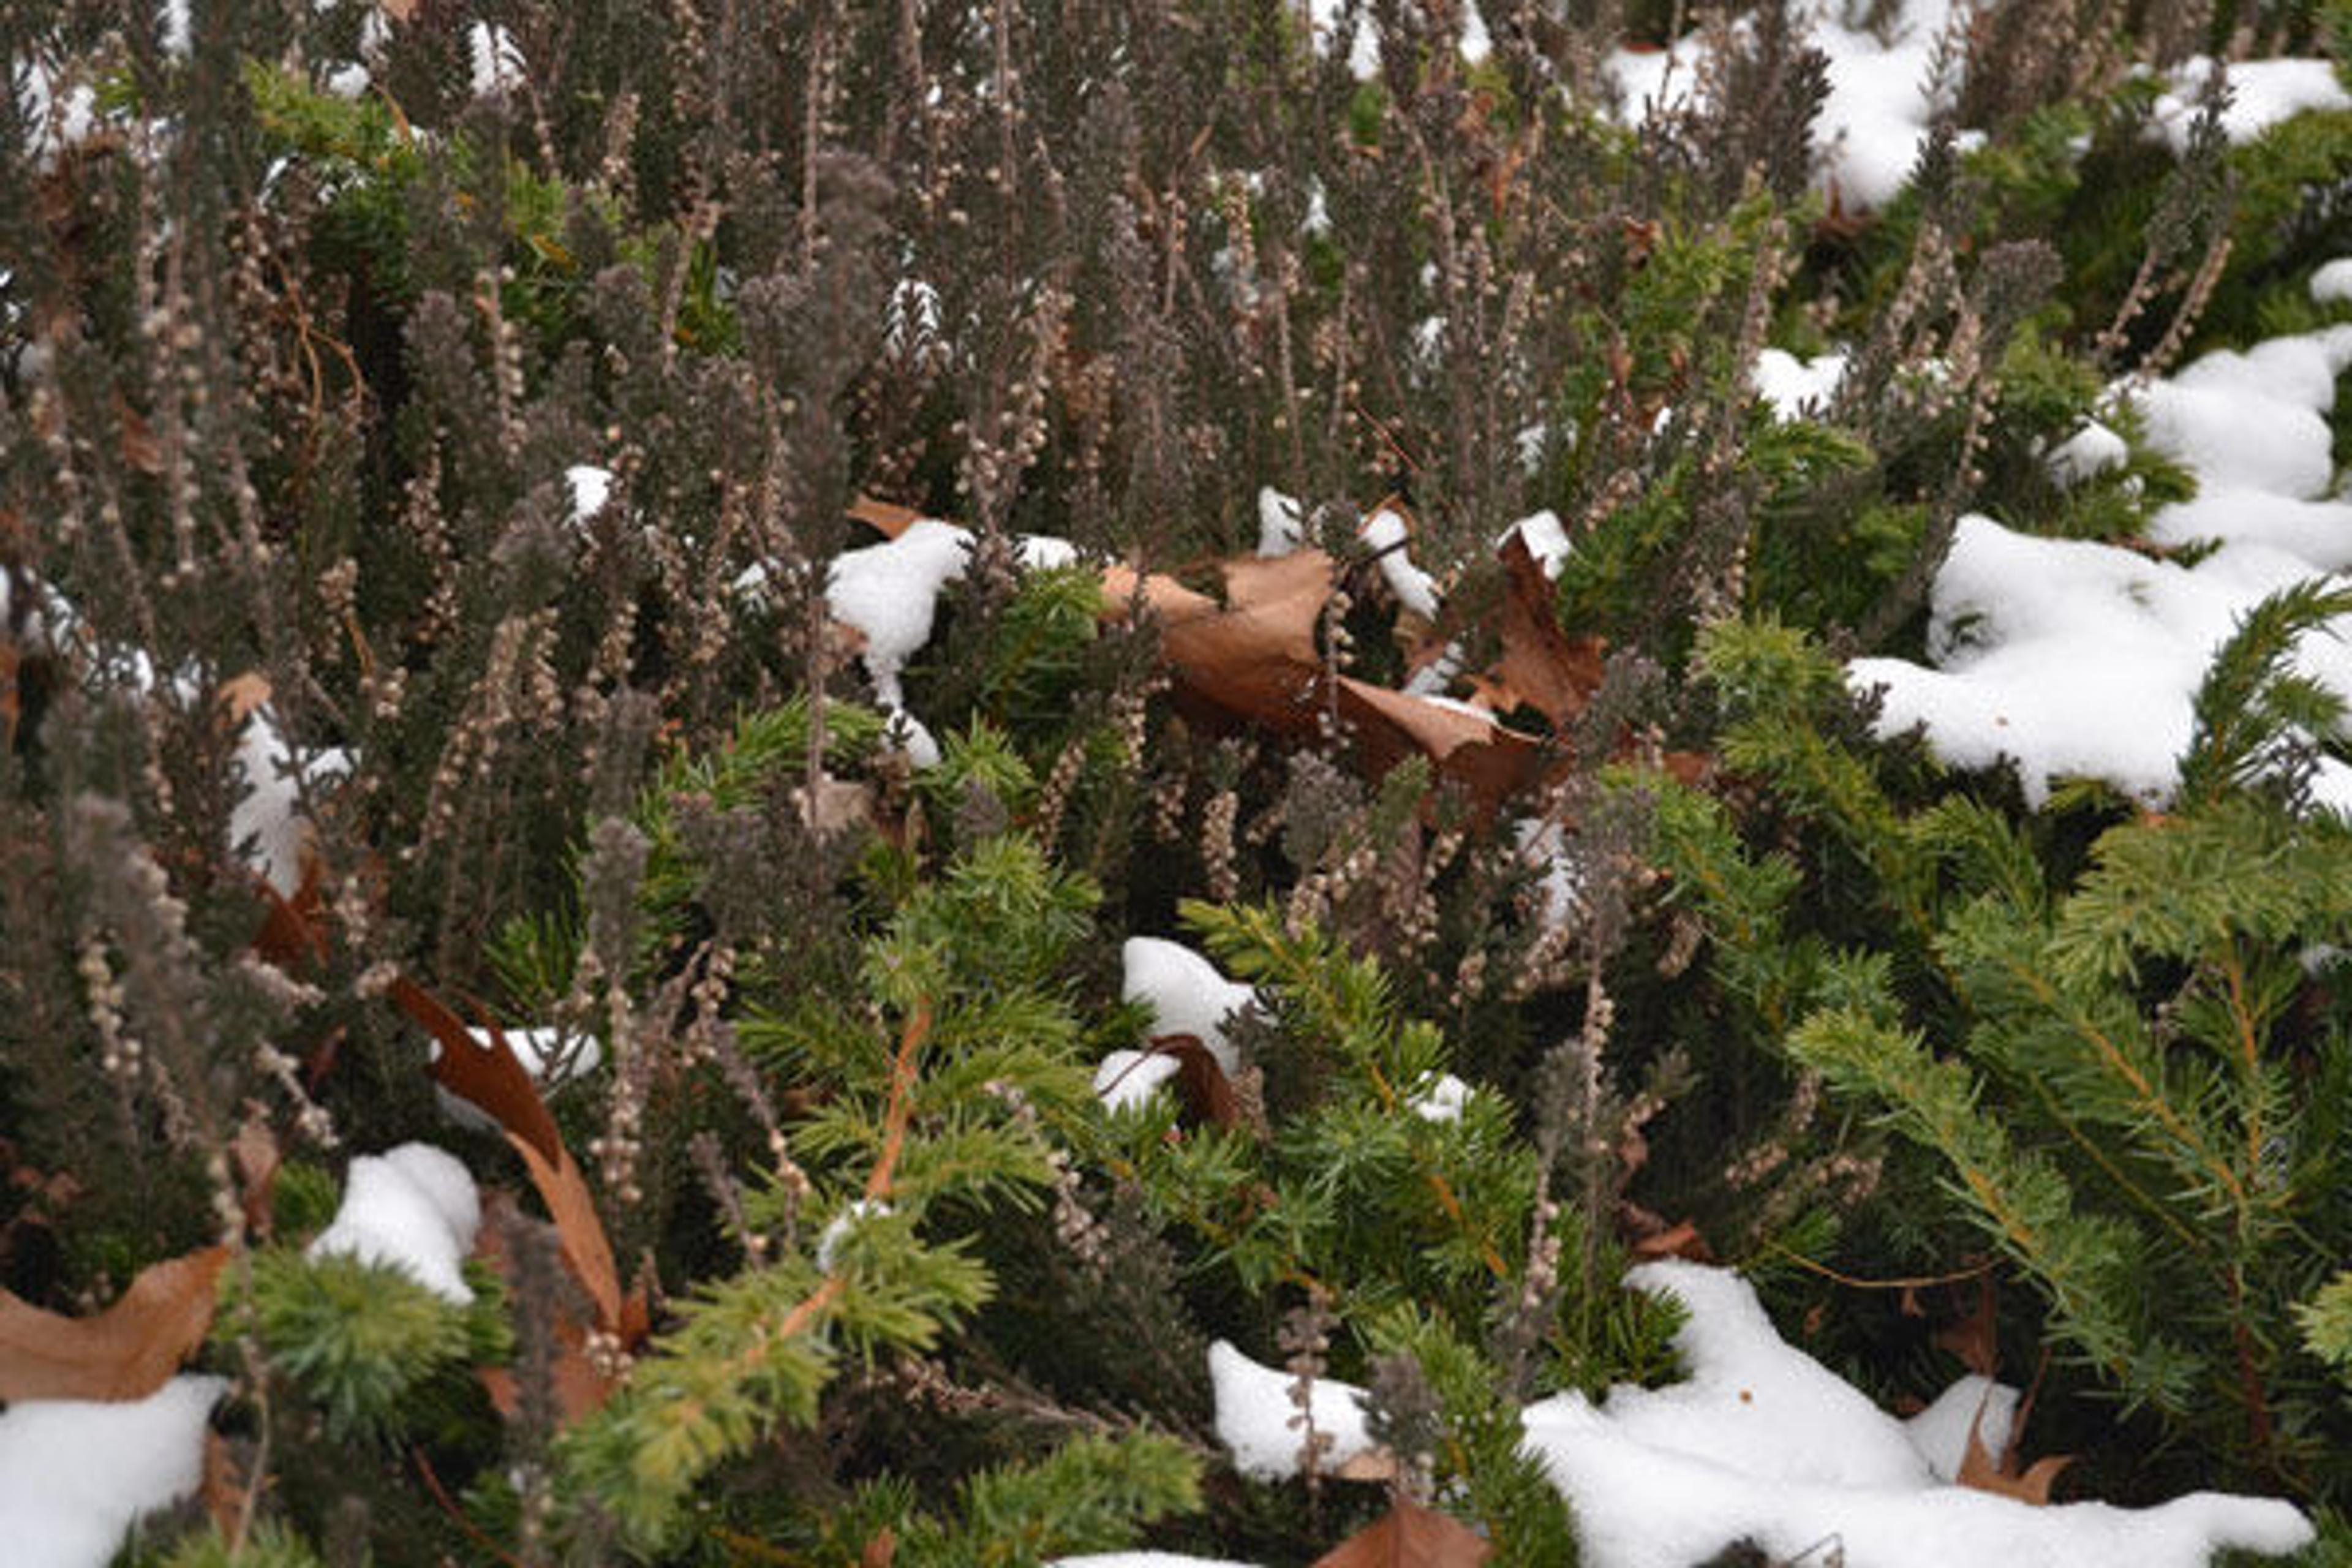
[[485, 391]]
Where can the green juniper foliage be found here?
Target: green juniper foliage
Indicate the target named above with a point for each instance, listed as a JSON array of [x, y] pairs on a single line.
[[499, 439]]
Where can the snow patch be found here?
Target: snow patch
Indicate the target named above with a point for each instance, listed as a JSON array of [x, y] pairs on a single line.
[[2087, 454], [1260, 1428], [1127, 1081], [413, 1208], [2076, 659], [1764, 1443], [2332, 284], [1794, 388], [1185, 993], [1415, 589], [2263, 93], [1441, 1101], [494, 59], [74, 1474]]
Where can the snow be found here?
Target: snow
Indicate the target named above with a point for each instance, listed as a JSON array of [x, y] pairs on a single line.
[[1792, 387], [413, 1208], [1875, 118], [1974, 1405], [1144, 1560], [2087, 454], [58, 114], [175, 32], [1260, 1428], [269, 811], [553, 1057], [2263, 93], [1546, 538], [842, 1225], [495, 59], [1280, 529], [591, 487], [2332, 283], [1761, 1441], [1415, 589], [2079, 659], [76, 1474], [1185, 993], [1441, 1101], [1127, 1080]]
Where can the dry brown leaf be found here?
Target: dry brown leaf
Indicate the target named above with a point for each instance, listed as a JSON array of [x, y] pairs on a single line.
[[880, 1550], [1374, 1464], [1675, 1241], [123, 1352], [1206, 1088], [1410, 1536], [578, 1385], [1975, 1339], [239, 694], [1980, 1469], [887, 518], [256, 1151], [141, 448], [1254, 657], [492, 1079], [1541, 666]]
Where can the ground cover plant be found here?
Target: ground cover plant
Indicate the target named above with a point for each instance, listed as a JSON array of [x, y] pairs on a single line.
[[1220, 782]]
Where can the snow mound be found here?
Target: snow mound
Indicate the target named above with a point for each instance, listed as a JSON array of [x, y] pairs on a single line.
[[2076, 659], [1790, 385], [1763, 1443], [889, 591], [1185, 993], [1259, 1426], [413, 1208], [1127, 1078], [1877, 115], [2332, 283], [76, 1474], [2264, 93]]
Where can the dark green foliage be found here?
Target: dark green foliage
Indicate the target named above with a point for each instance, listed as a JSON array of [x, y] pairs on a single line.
[[307, 386]]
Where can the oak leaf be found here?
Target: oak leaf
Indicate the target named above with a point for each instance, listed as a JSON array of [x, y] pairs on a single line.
[[490, 1078], [1206, 1088], [1981, 1470], [1410, 1536], [126, 1351]]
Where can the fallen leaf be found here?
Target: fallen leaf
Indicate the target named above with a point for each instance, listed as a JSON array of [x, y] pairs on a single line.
[[1374, 1464], [123, 1352], [256, 1151], [141, 448], [880, 1550], [887, 518], [293, 930], [493, 1080], [1981, 1470], [578, 1385], [1975, 1338], [223, 1487], [1541, 665], [1254, 657], [1675, 1241], [239, 694], [1410, 1536], [1206, 1088]]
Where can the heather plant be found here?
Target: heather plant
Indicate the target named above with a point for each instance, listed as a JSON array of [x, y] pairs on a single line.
[[446, 422]]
